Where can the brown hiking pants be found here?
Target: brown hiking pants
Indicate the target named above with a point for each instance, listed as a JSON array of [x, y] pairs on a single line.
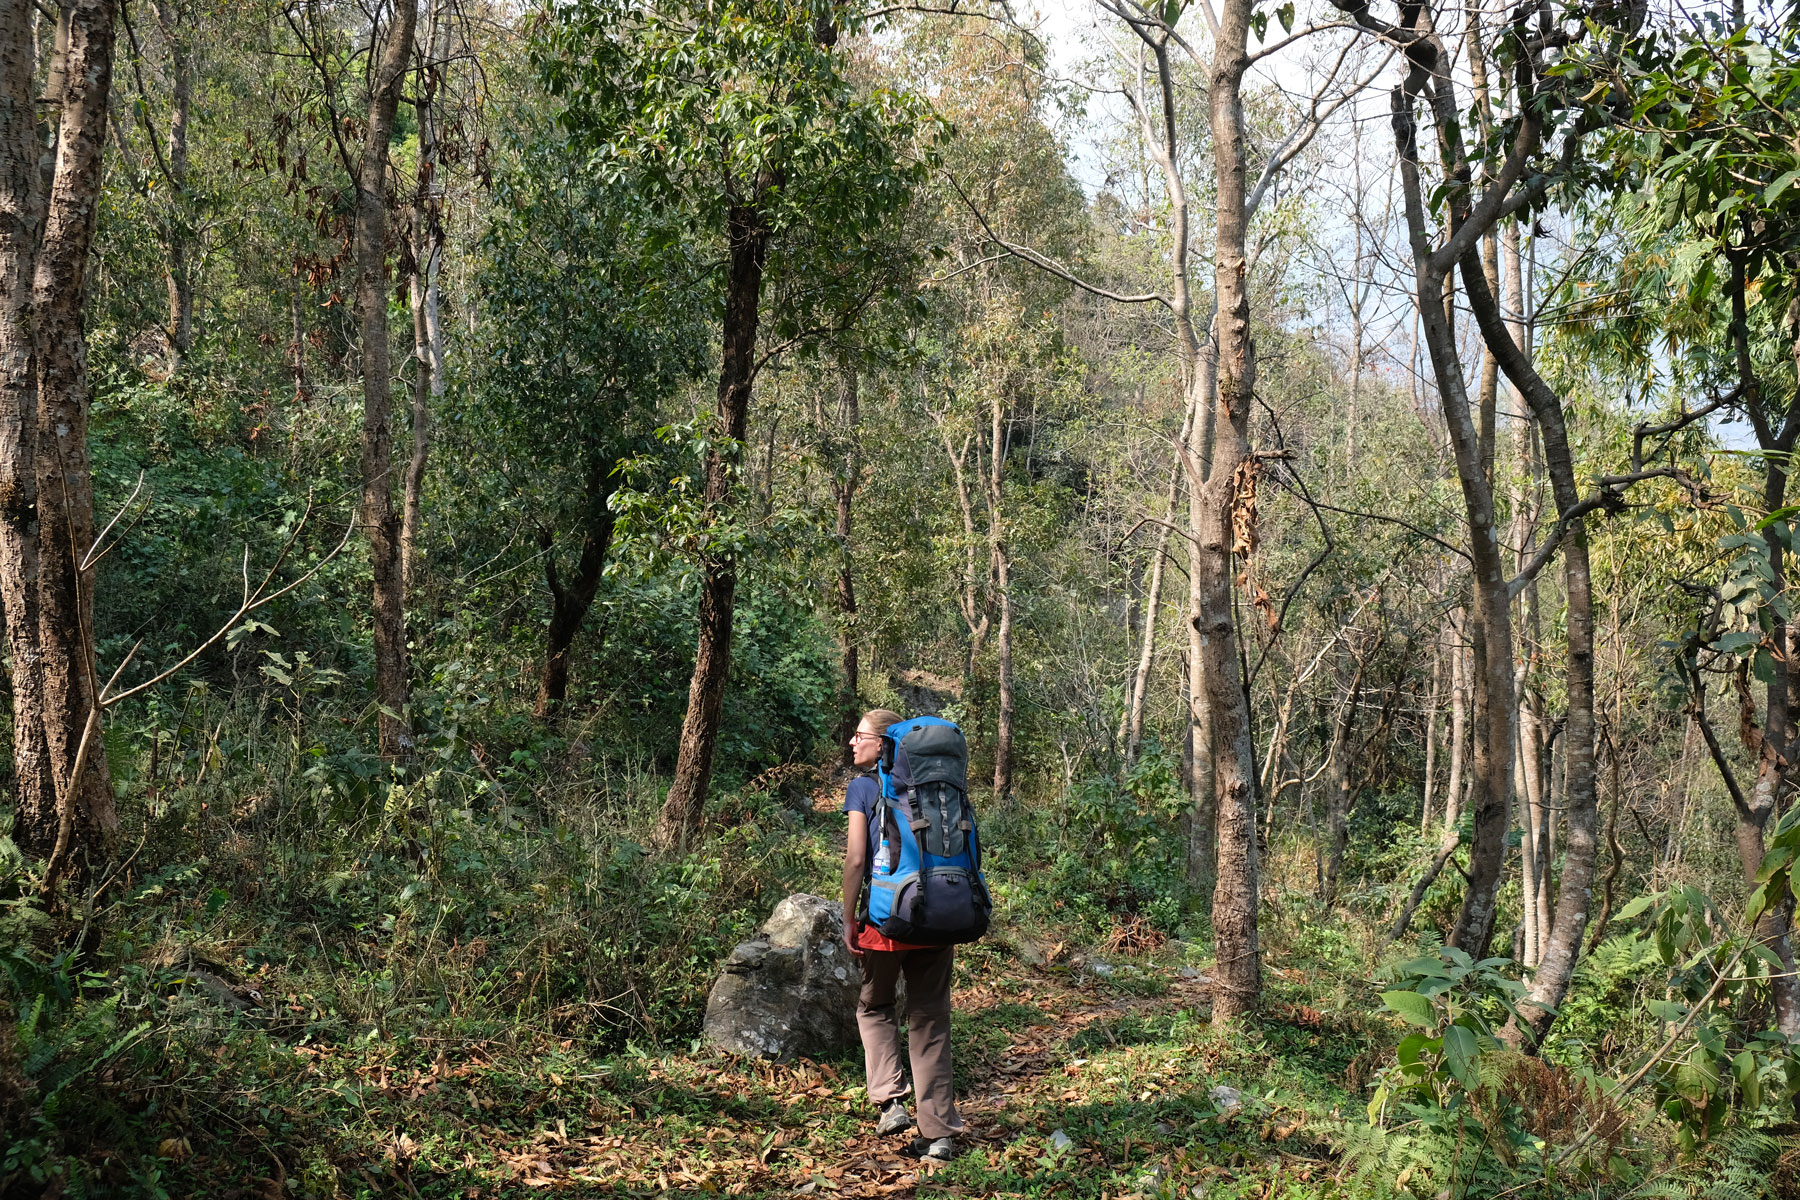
[[927, 1032]]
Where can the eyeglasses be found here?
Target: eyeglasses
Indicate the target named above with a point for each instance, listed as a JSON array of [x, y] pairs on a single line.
[[863, 733]]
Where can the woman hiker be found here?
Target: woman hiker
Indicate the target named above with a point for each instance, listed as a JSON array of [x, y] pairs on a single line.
[[927, 971]]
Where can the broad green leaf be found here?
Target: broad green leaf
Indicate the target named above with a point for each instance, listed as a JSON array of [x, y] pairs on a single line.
[[1461, 1048], [1412, 1007], [1758, 902], [1636, 908], [1422, 966]]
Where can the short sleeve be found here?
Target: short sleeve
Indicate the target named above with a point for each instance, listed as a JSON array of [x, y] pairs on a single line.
[[862, 795]]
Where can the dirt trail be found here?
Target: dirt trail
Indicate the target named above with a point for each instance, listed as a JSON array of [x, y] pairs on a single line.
[[708, 1125]]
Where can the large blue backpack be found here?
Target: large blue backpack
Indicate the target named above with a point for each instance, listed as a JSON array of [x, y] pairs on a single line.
[[924, 880]]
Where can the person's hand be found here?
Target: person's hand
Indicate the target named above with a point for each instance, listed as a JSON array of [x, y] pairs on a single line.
[[850, 940]]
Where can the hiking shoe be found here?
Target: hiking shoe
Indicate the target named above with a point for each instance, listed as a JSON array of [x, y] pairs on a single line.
[[936, 1150], [894, 1118]]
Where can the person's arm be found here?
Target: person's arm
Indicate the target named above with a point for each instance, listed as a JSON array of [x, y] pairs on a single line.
[[856, 861]]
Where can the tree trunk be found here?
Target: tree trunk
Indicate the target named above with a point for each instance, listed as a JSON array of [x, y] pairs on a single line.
[[297, 347], [748, 238], [422, 295], [1492, 625], [1460, 681], [570, 602], [971, 601], [1525, 765], [180, 233], [844, 491], [1432, 704], [422, 291], [1237, 978], [1339, 786], [65, 489], [1002, 575], [21, 226], [1003, 647], [1203, 797], [380, 522], [1562, 945], [1140, 678]]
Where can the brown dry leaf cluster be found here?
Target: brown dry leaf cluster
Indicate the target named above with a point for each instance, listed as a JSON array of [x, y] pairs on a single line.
[[1134, 935]]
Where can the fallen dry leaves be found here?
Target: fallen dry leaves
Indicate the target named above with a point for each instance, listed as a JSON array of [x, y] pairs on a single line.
[[803, 1151]]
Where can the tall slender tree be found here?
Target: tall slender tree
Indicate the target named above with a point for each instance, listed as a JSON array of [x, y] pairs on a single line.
[[380, 519], [743, 116], [46, 574]]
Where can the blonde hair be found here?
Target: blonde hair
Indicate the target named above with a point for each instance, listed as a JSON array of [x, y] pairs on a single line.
[[878, 719]]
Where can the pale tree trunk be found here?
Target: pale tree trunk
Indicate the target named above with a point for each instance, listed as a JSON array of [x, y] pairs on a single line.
[[971, 599], [1433, 704], [1199, 363], [1237, 978], [380, 522], [1187, 753], [1339, 784], [422, 287], [180, 331], [1140, 678], [1356, 297], [1534, 859], [21, 227], [1002, 576], [1278, 766], [65, 489], [1003, 646], [1202, 815], [1460, 682], [843, 489], [1525, 765], [422, 298], [747, 236]]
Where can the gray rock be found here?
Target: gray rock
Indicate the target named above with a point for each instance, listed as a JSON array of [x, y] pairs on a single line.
[[791, 990], [1228, 1099]]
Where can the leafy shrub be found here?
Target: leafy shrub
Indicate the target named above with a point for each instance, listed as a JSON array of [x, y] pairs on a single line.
[[1111, 849]]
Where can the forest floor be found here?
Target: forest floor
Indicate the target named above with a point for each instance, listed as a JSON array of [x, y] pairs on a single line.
[[1082, 1070], [1073, 1083]]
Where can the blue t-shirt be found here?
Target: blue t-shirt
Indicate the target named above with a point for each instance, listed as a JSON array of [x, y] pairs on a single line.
[[863, 794]]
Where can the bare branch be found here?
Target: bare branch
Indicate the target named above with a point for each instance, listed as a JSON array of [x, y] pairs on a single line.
[[1044, 263], [253, 601], [92, 557], [1285, 42]]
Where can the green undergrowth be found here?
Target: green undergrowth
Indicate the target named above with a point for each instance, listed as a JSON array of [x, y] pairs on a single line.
[[313, 978]]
